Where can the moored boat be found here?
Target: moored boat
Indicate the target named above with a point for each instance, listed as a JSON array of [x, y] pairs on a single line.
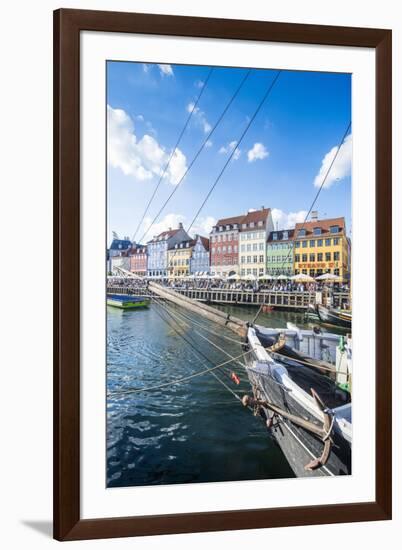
[[306, 412], [335, 317], [126, 302]]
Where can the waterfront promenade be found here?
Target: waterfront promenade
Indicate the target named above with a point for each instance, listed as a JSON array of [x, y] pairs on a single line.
[[294, 300]]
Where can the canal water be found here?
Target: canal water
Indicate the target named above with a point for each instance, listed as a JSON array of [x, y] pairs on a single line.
[[196, 431]]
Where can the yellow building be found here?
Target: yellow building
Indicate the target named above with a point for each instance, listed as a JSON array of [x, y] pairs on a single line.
[[321, 246], [178, 259]]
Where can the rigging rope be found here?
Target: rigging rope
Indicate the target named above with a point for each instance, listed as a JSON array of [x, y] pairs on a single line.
[[252, 118], [193, 110], [185, 378], [313, 203], [197, 153]]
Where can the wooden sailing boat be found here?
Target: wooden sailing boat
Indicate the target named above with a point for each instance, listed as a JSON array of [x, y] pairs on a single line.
[[308, 415]]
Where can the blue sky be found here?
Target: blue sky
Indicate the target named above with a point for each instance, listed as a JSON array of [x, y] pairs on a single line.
[[279, 163]]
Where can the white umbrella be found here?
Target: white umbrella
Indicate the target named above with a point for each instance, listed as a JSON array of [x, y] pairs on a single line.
[[282, 277], [234, 277], [329, 277], [301, 277], [250, 277]]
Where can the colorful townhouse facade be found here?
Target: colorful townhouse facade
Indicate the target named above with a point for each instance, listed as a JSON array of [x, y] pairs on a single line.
[[254, 229], [138, 260], [321, 246], [280, 252], [224, 247], [158, 247], [179, 256], [199, 261]]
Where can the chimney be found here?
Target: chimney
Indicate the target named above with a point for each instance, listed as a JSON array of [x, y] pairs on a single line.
[[180, 225], [170, 229], [262, 207], [314, 215]]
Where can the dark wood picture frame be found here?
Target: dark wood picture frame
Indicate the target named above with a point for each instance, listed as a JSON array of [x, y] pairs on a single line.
[[67, 26]]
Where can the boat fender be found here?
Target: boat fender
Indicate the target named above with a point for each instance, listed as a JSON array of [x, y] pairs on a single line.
[[235, 378]]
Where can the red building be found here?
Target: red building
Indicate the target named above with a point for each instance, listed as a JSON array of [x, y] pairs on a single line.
[[224, 246], [138, 260]]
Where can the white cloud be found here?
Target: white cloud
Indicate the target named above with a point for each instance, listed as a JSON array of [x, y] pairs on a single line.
[[257, 152], [198, 83], [203, 226], [141, 158], [145, 67], [229, 148], [284, 220], [341, 167], [170, 221], [140, 118], [199, 116], [208, 144], [165, 70]]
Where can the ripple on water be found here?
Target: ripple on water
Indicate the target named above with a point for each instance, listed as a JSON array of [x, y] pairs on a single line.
[[190, 432]]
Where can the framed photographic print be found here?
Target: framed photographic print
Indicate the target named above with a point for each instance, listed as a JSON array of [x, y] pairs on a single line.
[[222, 239]]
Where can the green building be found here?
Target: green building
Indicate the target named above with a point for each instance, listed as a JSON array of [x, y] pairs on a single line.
[[280, 252]]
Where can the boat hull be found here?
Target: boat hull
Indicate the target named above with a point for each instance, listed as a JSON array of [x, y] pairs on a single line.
[[330, 317], [127, 302]]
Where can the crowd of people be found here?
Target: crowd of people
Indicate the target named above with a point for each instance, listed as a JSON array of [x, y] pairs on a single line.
[[222, 284]]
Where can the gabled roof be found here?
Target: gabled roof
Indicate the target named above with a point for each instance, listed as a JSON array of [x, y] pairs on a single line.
[[323, 224], [230, 221], [120, 244], [190, 242], [256, 216], [165, 235], [205, 242], [280, 233]]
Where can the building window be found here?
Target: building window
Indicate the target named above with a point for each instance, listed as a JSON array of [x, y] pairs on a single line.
[[304, 244], [334, 229], [274, 236], [327, 242], [336, 271], [252, 224], [312, 244], [248, 259], [255, 259], [301, 233], [336, 256], [297, 258], [261, 258], [336, 241], [317, 231], [312, 257], [328, 256], [244, 225], [319, 257], [261, 247], [285, 235], [297, 244], [304, 257], [319, 242]]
